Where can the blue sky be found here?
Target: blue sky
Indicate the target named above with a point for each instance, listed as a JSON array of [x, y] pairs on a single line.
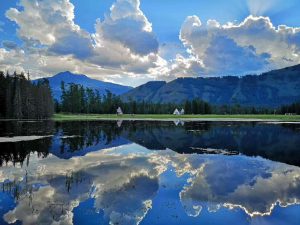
[[167, 15], [157, 39]]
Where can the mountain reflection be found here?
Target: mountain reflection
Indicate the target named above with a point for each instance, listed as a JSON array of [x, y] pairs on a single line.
[[120, 174]]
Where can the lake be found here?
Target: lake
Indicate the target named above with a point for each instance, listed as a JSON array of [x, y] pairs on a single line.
[[138, 172]]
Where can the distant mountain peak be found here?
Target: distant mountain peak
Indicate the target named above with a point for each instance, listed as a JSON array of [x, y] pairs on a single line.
[[85, 81], [67, 74]]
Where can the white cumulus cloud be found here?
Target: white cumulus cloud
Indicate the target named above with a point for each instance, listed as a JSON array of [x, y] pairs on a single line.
[[123, 47], [252, 46], [123, 43]]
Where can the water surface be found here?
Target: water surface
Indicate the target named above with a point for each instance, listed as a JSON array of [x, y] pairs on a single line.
[[149, 173]]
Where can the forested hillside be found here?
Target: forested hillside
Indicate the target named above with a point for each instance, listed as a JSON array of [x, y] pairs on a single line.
[[271, 89]]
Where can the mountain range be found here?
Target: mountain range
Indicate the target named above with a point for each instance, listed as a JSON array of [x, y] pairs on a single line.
[[68, 77], [270, 89]]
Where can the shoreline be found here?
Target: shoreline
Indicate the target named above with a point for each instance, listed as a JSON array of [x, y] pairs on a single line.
[[164, 117], [185, 118]]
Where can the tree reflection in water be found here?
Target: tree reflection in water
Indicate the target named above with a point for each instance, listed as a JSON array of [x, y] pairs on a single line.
[[278, 142]]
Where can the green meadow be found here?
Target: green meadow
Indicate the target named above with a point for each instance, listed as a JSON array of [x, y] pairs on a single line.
[[70, 117]]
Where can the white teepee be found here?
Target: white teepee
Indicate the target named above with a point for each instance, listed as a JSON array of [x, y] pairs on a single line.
[[176, 112], [119, 111]]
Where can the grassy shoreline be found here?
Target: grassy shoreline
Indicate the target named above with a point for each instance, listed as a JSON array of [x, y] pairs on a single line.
[[167, 117]]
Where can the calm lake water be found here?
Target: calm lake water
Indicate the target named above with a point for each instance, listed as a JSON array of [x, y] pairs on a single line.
[[121, 172]]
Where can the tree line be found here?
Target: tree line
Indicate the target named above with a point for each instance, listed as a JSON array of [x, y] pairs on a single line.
[[77, 99], [22, 99], [197, 106], [292, 108]]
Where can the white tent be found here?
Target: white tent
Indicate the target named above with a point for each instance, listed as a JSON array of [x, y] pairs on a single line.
[[119, 111], [176, 112], [182, 112]]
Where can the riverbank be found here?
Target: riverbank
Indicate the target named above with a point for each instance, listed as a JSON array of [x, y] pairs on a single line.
[[166, 117]]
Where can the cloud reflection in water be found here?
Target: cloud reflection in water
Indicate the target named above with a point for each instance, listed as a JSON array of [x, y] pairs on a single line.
[[123, 182]]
